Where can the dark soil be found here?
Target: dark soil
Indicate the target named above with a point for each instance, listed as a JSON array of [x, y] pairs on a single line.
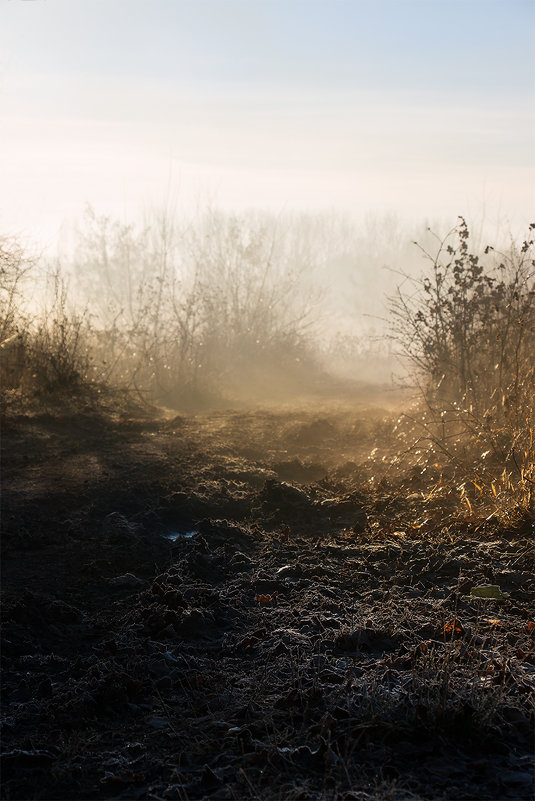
[[226, 607]]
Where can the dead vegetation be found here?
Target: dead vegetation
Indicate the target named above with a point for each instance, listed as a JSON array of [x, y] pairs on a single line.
[[321, 601], [227, 606], [468, 330], [183, 317]]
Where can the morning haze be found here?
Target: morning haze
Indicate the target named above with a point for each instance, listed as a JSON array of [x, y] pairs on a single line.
[[418, 108], [267, 398]]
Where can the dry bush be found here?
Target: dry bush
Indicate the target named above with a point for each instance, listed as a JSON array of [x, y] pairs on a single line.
[[45, 351], [15, 268], [58, 348], [188, 312], [181, 314], [467, 330], [15, 265]]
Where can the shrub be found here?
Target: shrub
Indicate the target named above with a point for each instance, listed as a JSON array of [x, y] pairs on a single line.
[[186, 311], [467, 329], [15, 265], [58, 348], [44, 351]]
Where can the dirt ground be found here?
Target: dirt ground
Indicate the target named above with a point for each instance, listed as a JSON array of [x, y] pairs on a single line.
[[227, 606]]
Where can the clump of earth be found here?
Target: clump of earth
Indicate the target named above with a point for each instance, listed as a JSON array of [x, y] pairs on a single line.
[[226, 606]]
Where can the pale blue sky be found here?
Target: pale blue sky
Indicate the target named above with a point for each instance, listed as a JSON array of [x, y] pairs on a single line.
[[425, 107]]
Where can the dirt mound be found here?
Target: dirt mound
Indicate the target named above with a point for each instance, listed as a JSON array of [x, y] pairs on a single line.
[[188, 626]]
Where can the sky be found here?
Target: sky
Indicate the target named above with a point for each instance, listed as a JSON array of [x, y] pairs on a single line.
[[423, 108]]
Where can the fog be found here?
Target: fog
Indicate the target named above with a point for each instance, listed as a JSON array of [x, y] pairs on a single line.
[[196, 310], [222, 195], [267, 398], [367, 109]]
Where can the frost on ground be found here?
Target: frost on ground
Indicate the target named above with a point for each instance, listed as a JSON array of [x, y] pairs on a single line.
[[226, 607]]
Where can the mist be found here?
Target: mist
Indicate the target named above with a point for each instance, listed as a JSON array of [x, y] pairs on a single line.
[[398, 108], [267, 399], [217, 307], [232, 153]]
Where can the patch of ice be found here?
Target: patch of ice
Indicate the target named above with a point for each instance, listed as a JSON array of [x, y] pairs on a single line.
[[179, 535]]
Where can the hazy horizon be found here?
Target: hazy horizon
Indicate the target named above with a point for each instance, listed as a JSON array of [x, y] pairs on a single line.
[[419, 109]]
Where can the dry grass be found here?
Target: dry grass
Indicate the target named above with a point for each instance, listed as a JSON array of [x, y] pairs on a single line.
[[467, 330]]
